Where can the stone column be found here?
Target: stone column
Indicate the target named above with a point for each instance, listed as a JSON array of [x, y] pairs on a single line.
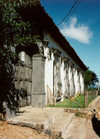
[[55, 80], [82, 82], [71, 80], [78, 82], [38, 98], [57, 72], [75, 79], [65, 78], [49, 75]]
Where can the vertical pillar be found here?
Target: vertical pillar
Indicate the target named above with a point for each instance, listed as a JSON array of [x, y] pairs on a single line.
[[78, 81], [48, 75], [75, 80], [71, 80], [82, 82], [38, 98], [55, 80], [64, 77], [57, 72], [67, 78]]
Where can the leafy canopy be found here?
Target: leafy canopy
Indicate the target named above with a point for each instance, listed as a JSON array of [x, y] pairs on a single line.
[[90, 78], [13, 32]]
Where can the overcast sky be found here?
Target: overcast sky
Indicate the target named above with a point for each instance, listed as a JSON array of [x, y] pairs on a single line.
[[82, 30]]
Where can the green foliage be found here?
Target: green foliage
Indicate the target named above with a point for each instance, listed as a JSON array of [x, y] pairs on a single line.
[[68, 103], [14, 32], [91, 88], [90, 78]]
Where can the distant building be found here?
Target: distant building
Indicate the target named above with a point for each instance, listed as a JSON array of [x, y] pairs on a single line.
[[50, 70]]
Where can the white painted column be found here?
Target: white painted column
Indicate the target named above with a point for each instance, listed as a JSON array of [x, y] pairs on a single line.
[[48, 74], [57, 72], [82, 82], [22, 56], [71, 80], [64, 77], [55, 80], [75, 80], [67, 78], [78, 81]]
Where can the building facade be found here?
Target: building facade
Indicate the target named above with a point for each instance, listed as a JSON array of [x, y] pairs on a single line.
[[51, 73]]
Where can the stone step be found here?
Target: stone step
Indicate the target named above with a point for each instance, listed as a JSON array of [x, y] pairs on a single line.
[[36, 117], [75, 129], [80, 128], [60, 125], [47, 124]]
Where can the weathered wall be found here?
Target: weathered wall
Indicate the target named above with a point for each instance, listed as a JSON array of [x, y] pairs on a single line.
[[53, 44], [23, 76], [38, 81], [48, 74], [52, 73], [64, 78], [67, 75]]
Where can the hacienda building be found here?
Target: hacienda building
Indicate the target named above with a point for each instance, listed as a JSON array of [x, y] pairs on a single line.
[[50, 70]]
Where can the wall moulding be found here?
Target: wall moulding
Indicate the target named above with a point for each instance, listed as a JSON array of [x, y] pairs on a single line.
[[65, 59], [45, 43], [56, 52], [71, 64]]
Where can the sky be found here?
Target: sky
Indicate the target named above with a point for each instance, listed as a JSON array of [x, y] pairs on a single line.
[[82, 30]]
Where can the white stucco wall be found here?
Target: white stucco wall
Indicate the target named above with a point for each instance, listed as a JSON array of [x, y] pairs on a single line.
[[82, 83], [75, 81], [22, 56], [71, 85], [48, 71], [49, 74], [64, 80], [54, 44], [71, 81], [63, 74]]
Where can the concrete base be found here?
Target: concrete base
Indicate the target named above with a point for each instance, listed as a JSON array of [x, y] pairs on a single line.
[[38, 100]]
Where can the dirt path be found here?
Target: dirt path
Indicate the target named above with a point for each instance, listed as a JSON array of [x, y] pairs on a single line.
[[45, 115], [16, 132], [95, 104]]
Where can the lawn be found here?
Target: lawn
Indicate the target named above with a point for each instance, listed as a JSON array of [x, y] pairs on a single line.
[[76, 102]]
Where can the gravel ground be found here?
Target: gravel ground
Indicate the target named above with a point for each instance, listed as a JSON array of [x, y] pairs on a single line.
[[17, 132]]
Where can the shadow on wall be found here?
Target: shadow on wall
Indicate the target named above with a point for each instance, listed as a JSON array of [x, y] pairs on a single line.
[[9, 96], [96, 124]]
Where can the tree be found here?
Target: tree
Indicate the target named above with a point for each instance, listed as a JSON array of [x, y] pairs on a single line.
[[14, 32], [90, 78]]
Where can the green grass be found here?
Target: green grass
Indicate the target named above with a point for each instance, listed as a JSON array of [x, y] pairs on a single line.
[[74, 104]]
